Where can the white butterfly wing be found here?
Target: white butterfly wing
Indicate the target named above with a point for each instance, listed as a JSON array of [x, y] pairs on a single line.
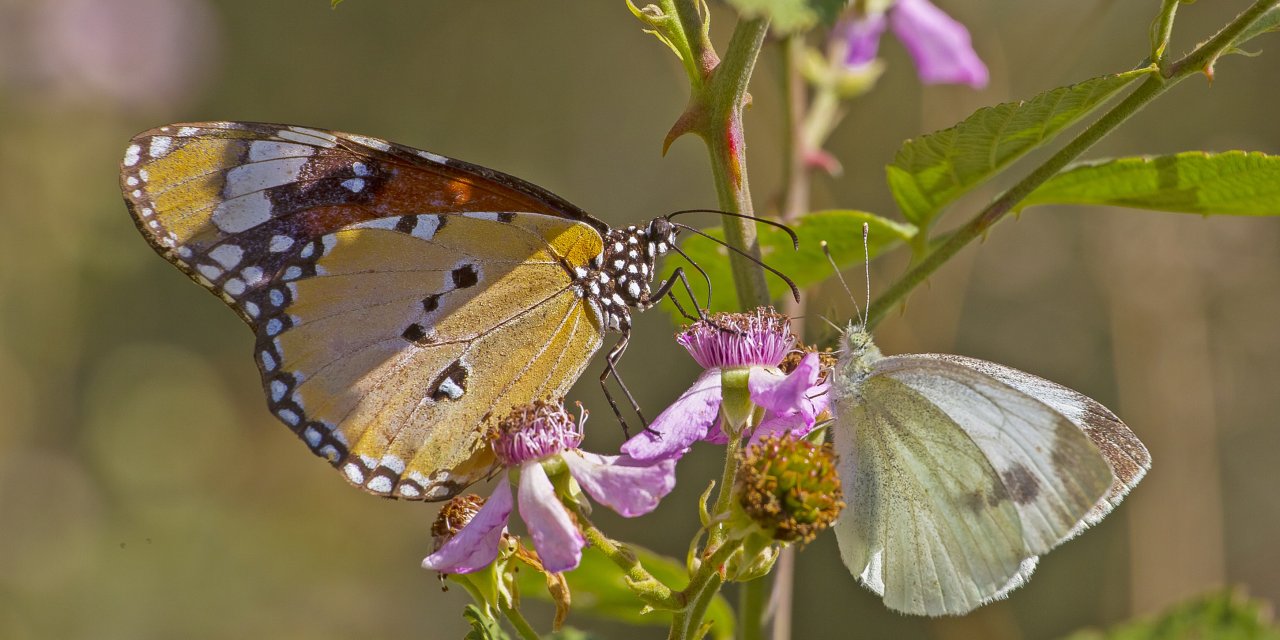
[[929, 526], [960, 472], [1128, 458]]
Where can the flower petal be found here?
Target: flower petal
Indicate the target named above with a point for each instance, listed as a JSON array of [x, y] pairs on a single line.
[[629, 486], [796, 424], [680, 425], [940, 45], [555, 536], [476, 545], [862, 39], [785, 393]]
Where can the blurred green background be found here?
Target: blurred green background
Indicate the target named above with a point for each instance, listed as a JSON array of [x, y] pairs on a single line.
[[145, 492]]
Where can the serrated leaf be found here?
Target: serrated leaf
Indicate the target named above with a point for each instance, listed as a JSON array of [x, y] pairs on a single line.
[[599, 589], [787, 16], [931, 171], [1234, 183], [1221, 615], [841, 228]]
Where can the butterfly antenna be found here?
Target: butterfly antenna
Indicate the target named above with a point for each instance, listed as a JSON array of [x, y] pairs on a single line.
[[795, 291], [866, 265], [795, 240], [827, 252]]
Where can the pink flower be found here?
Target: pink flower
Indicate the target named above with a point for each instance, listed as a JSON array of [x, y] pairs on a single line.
[[940, 46], [757, 343], [531, 436]]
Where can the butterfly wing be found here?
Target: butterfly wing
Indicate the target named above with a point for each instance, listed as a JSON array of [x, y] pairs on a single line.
[[395, 311], [977, 469], [228, 202], [396, 342]]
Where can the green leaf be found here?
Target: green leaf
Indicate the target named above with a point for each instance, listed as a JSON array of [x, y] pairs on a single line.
[[1234, 183], [932, 171], [841, 228], [791, 15], [1222, 615], [599, 589]]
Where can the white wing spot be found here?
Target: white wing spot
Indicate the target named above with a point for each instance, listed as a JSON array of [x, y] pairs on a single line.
[[280, 243], [209, 271], [380, 145], [393, 462], [251, 274], [436, 158], [360, 169], [261, 150], [293, 273], [184, 132], [242, 213], [309, 136], [265, 174], [131, 155], [278, 387], [354, 185], [451, 389], [634, 290], [131, 181], [277, 297], [409, 491], [288, 416], [380, 484], [234, 286], [482, 215], [251, 308], [227, 255], [354, 473], [274, 326], [160, 146], [312, 435]]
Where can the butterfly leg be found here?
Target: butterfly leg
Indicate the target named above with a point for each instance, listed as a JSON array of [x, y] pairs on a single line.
[[666, 289], [610, 369]]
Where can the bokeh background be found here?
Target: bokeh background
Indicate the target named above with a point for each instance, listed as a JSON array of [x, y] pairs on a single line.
[[145, 492]]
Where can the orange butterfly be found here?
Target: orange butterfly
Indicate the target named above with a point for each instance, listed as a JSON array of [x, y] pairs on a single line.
[[400, 298]]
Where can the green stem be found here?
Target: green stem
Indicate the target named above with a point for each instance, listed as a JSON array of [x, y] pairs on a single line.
[[751, 608], [726, 144], [1155, 85], [517, 620], [702, 589], [724, 493], [1162, 29], [651, 590]]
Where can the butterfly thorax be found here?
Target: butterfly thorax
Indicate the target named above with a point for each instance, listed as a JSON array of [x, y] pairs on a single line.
[[858, 355], [619, 277]]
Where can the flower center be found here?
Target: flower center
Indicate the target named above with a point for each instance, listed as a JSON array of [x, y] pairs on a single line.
[[535, 431], [759, 338]]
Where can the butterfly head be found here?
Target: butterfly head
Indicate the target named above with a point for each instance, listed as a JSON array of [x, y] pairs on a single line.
[[857, 352]]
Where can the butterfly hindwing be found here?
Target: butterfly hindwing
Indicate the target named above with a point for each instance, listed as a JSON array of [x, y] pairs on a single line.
[[397, 339], [932, 529]]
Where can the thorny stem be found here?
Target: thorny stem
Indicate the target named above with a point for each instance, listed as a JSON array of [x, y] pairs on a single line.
[[1199, 60]]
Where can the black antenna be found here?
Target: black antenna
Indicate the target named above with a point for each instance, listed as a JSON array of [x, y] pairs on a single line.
[[795, 240], [795, 291]]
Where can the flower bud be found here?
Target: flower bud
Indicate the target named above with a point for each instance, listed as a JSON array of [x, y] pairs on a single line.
[[789, 488]]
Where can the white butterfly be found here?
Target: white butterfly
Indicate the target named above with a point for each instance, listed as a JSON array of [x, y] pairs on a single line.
[[959, 473]]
